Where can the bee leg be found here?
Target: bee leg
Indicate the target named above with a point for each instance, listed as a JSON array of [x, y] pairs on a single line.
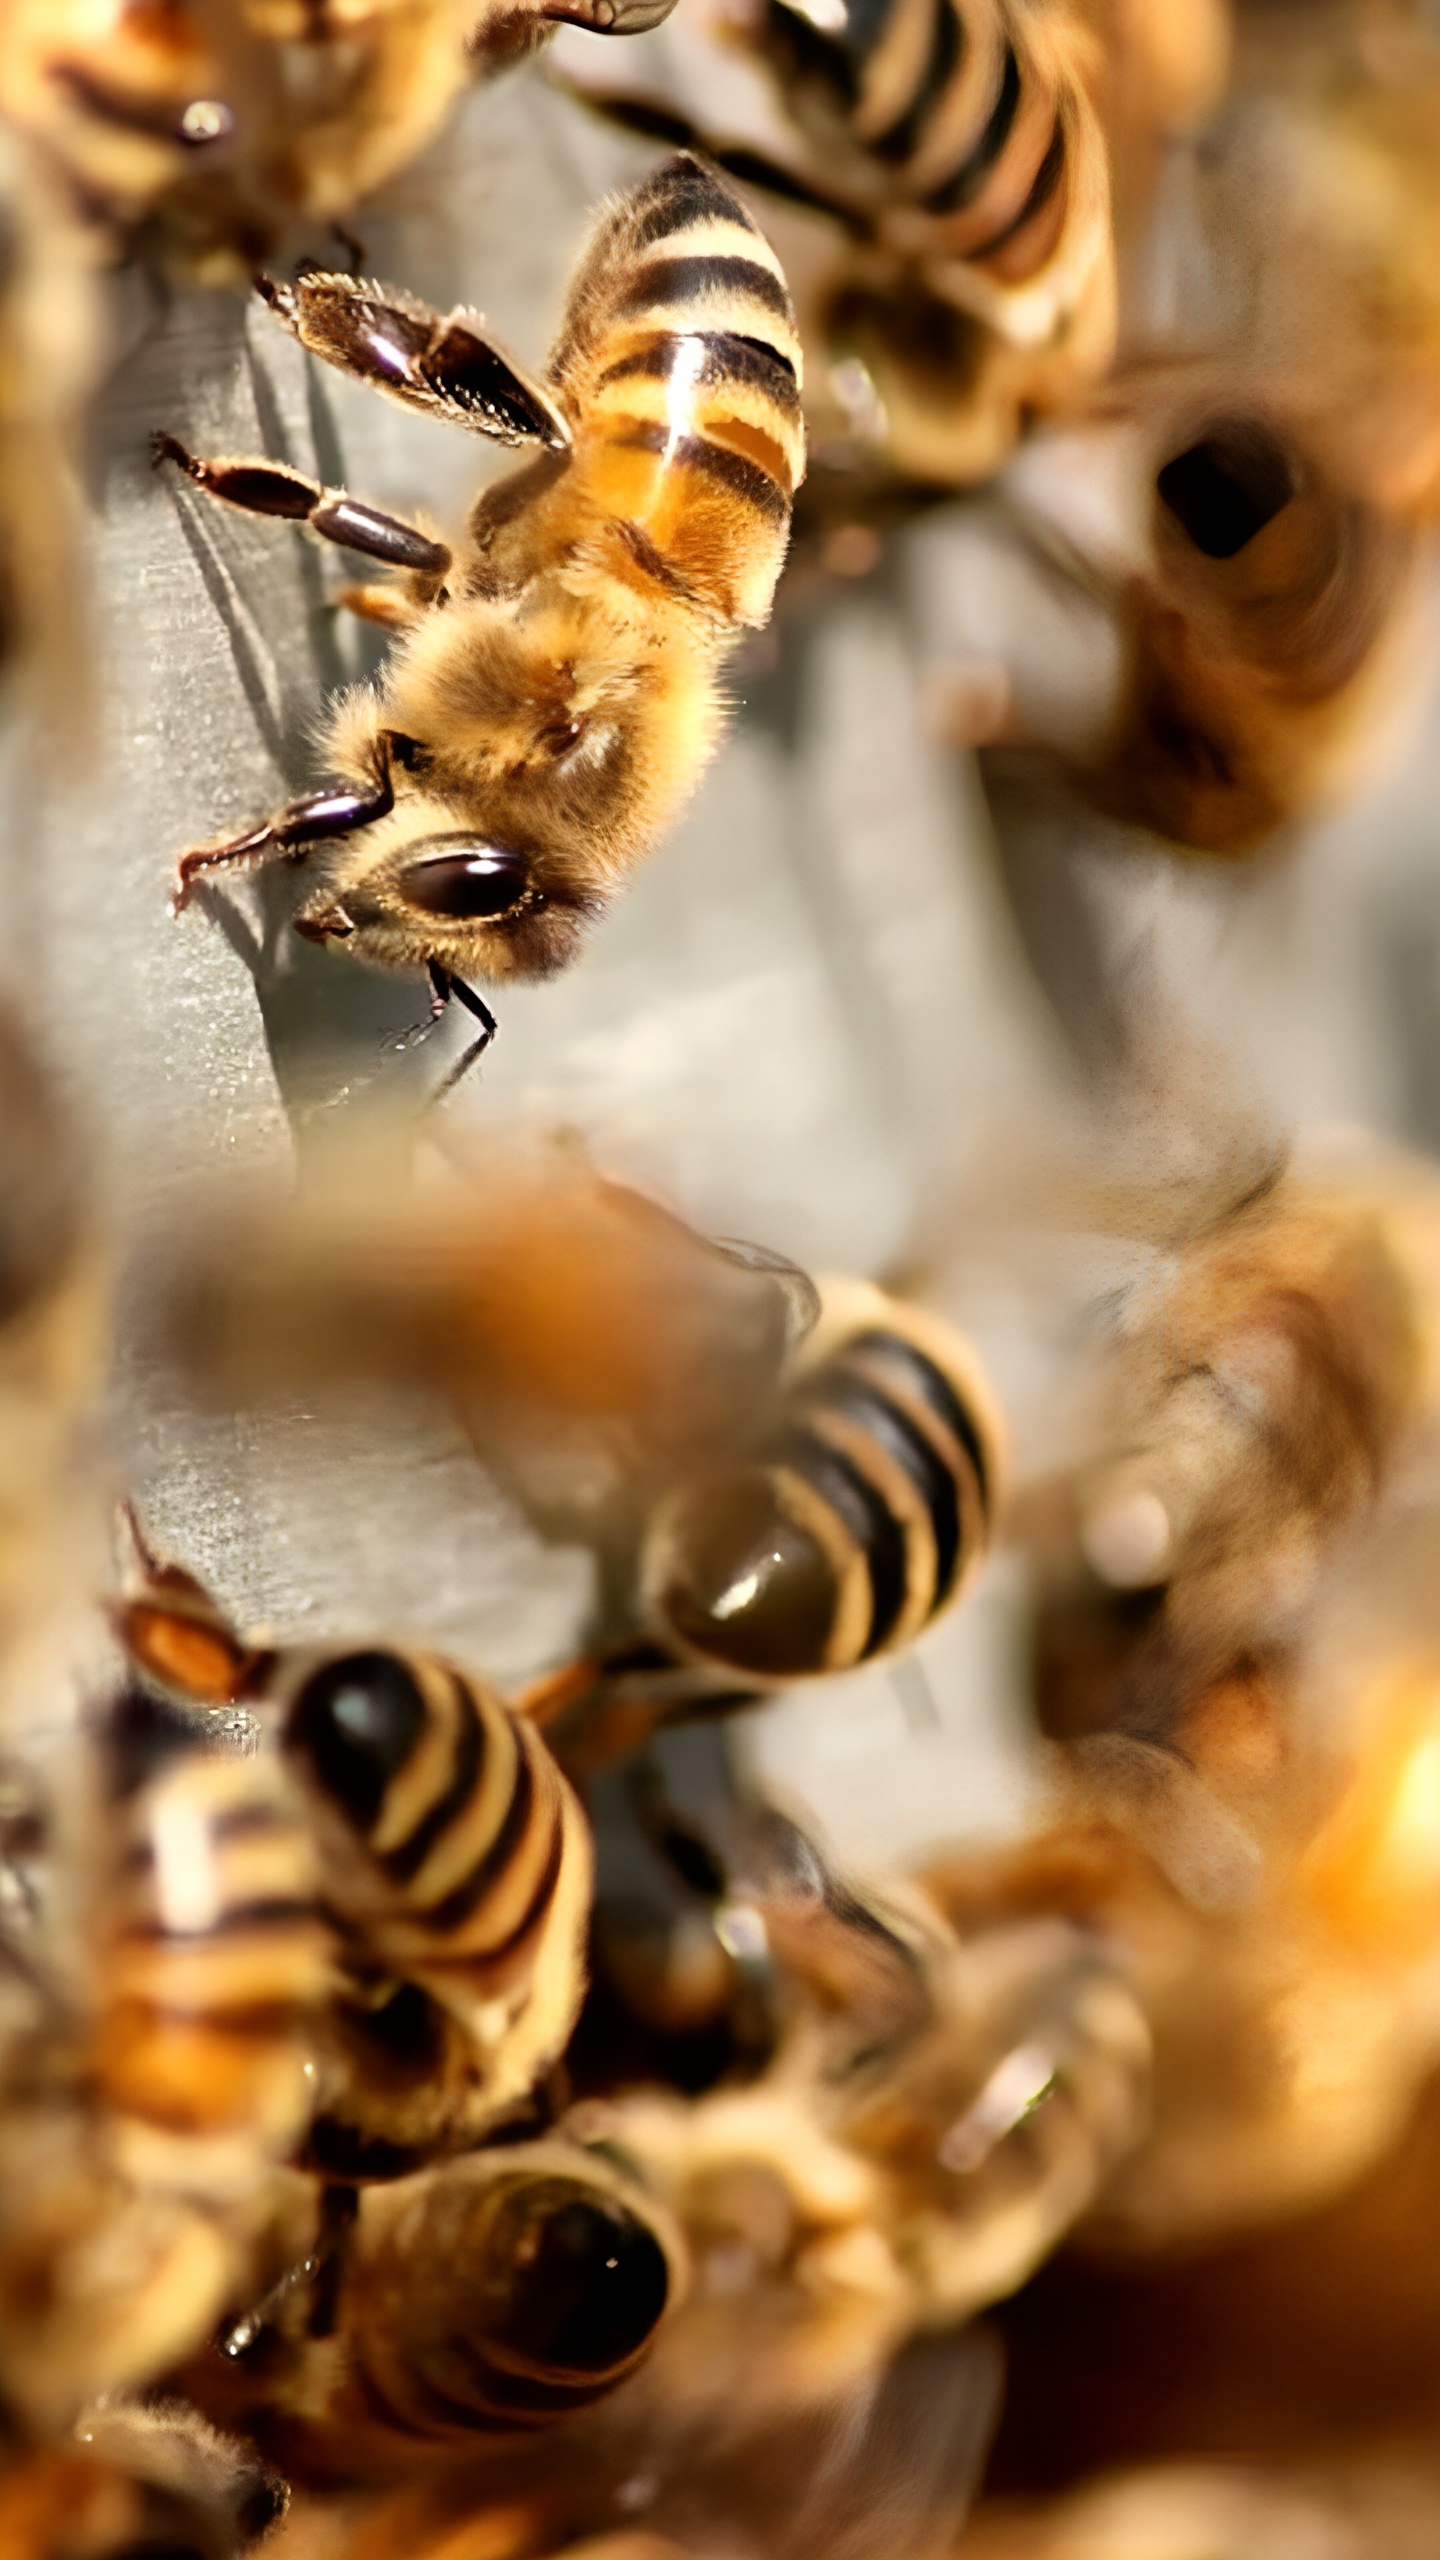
[[445, 366], [445, 986], [265, 488], [324, 813]]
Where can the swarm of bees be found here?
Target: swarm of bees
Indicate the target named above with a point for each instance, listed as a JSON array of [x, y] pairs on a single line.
[[478, 2117]]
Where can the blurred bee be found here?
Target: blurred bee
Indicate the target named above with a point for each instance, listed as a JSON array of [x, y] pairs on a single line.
[[861, 1513], [1263, 636], [51, 343], [960, 153], [487, 2298], [52, 1341], [213, 1975], [143, 2479], [216, 129], [937, 2111], [1257, 1399], [591, 1341], [143, 2127], [554, 696], [455, 1868]]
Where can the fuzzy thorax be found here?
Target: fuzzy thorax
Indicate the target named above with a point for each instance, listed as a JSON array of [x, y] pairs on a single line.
[[562, 728]]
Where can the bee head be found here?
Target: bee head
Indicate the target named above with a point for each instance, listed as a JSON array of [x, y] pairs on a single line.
[[423, 886]]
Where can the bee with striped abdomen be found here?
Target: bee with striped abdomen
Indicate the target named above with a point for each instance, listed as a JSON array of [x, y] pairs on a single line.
[[553, 695], [215, 127], [859, 1516], [485, 2298], [146, 2130], [214, 1975], [964, 154], [455, 1869]]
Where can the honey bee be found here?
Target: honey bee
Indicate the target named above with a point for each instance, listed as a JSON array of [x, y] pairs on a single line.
[[1259, 1396], [861, 1514], [215, 130], [455, 1869], [553, 698], [489, 2297], [962, 153], [142, 2127], [1263, 636], [938, 2109], [214, 1973], [590, 1341]]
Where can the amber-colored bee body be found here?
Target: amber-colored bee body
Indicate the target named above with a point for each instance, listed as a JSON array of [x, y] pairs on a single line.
[[867, 1504], [477, 2302], [528, 742], [213, 1974], [458, 1871], [454, 1871]]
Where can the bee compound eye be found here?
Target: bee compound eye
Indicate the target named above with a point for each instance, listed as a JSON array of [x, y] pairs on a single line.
[[586, 2280], [743, 1582], [357, 1720], [482, 881]]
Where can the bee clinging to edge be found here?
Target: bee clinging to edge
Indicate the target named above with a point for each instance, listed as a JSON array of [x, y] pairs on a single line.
[[552, 697]]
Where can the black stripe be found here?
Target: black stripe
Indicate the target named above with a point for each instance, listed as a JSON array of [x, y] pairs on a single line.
[[684, 191], [862, 1511], [444, 1916], [663, 282], [409, 1858], [933, 1388], [957, 192], [463, 1899], [734, 470], [902, 136], [728, 358], [871, 1411], [1047, 179]]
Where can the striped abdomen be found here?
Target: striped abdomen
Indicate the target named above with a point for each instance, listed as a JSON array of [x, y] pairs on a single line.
[[453, 1854], [852, 1526], [218, 1963], [681, 365], [964, 122], [502, 2291]]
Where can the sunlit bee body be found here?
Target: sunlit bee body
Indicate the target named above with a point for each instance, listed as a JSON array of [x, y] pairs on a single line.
[[553, 697], [219, 127], [486, 2298], [454, 1866], [214, 1974], [856, 1520]]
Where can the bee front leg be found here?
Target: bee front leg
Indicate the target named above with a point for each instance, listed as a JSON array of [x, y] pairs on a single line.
[[265, 488], [443, 986], [302, 822]]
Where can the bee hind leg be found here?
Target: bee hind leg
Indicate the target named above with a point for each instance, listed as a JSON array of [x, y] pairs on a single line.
[[265, 488]]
